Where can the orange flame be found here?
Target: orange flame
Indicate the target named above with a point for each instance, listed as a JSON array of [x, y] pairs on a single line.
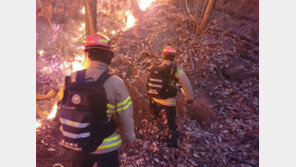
[[82, 10], [82, 27], [77, 64], [53, 112], [38, 124], [41, 52], [130, 21], [144, 4]]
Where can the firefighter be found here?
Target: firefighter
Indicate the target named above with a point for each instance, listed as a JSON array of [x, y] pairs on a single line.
[[119, 106], [163, 90]]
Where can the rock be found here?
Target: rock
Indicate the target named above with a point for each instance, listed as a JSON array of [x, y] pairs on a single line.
[[235, 73]]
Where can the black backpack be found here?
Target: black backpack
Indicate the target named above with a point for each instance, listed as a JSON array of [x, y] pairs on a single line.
[[82, 115], [162, 82]]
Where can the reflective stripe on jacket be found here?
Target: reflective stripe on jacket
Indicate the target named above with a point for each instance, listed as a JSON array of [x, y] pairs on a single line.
[[186, 87], [119, 103], [166, 102]]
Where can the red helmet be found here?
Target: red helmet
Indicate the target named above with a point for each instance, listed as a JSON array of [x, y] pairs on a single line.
[[169, 49], [97, 41]]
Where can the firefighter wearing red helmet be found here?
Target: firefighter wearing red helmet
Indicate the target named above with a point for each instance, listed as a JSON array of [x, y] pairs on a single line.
[[162, 89], [111, 98]]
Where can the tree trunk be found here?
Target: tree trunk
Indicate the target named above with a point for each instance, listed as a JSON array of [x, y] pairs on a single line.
[[90, 23], [90, 17], [206, 15]]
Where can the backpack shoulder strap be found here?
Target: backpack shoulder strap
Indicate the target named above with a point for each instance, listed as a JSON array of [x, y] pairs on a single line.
[[67, 80], [101, 80], [173, 70], [170, 70], [80, 76]]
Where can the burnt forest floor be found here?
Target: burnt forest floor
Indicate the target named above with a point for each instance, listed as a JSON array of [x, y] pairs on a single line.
[[226, 59]]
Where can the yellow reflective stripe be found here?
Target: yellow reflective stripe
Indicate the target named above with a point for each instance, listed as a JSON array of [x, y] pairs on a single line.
[[110, 111], [111, 138], [103, 40], [125, 107], [108, 140], [73, 123], [178, 73], [124, 101], [110, 145], [166, 102], [110, 106]]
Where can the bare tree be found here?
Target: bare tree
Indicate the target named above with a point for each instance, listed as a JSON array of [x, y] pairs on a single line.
[[198, 10], [90, 17], [90, 22], [206, 15]]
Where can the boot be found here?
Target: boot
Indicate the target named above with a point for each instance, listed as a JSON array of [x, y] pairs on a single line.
[[173, 140], [153, 113]]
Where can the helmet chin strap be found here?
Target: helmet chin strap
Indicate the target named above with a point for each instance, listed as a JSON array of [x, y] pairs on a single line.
[[108, 62]]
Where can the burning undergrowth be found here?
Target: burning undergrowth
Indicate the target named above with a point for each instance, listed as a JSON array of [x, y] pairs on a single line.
[[224, 70], [60, 40]]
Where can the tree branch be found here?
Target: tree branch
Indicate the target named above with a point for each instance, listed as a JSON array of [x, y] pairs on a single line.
[[188, 10]]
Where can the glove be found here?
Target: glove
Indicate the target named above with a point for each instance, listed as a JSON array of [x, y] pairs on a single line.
[[189, 102]]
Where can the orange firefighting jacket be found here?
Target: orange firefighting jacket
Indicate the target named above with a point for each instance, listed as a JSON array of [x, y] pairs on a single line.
[[119, 105], [184, 81]]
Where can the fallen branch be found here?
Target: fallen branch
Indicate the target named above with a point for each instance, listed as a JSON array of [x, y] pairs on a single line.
[[250, 42], [49, 95], [191, 59], [221, 76], [203, 82], [193, 66]]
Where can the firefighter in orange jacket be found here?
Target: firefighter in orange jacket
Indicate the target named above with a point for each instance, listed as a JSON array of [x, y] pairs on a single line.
[[119, 103], [168, 102]]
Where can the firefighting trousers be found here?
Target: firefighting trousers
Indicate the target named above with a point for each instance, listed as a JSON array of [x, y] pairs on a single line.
[[103, 160], [170, 112]]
